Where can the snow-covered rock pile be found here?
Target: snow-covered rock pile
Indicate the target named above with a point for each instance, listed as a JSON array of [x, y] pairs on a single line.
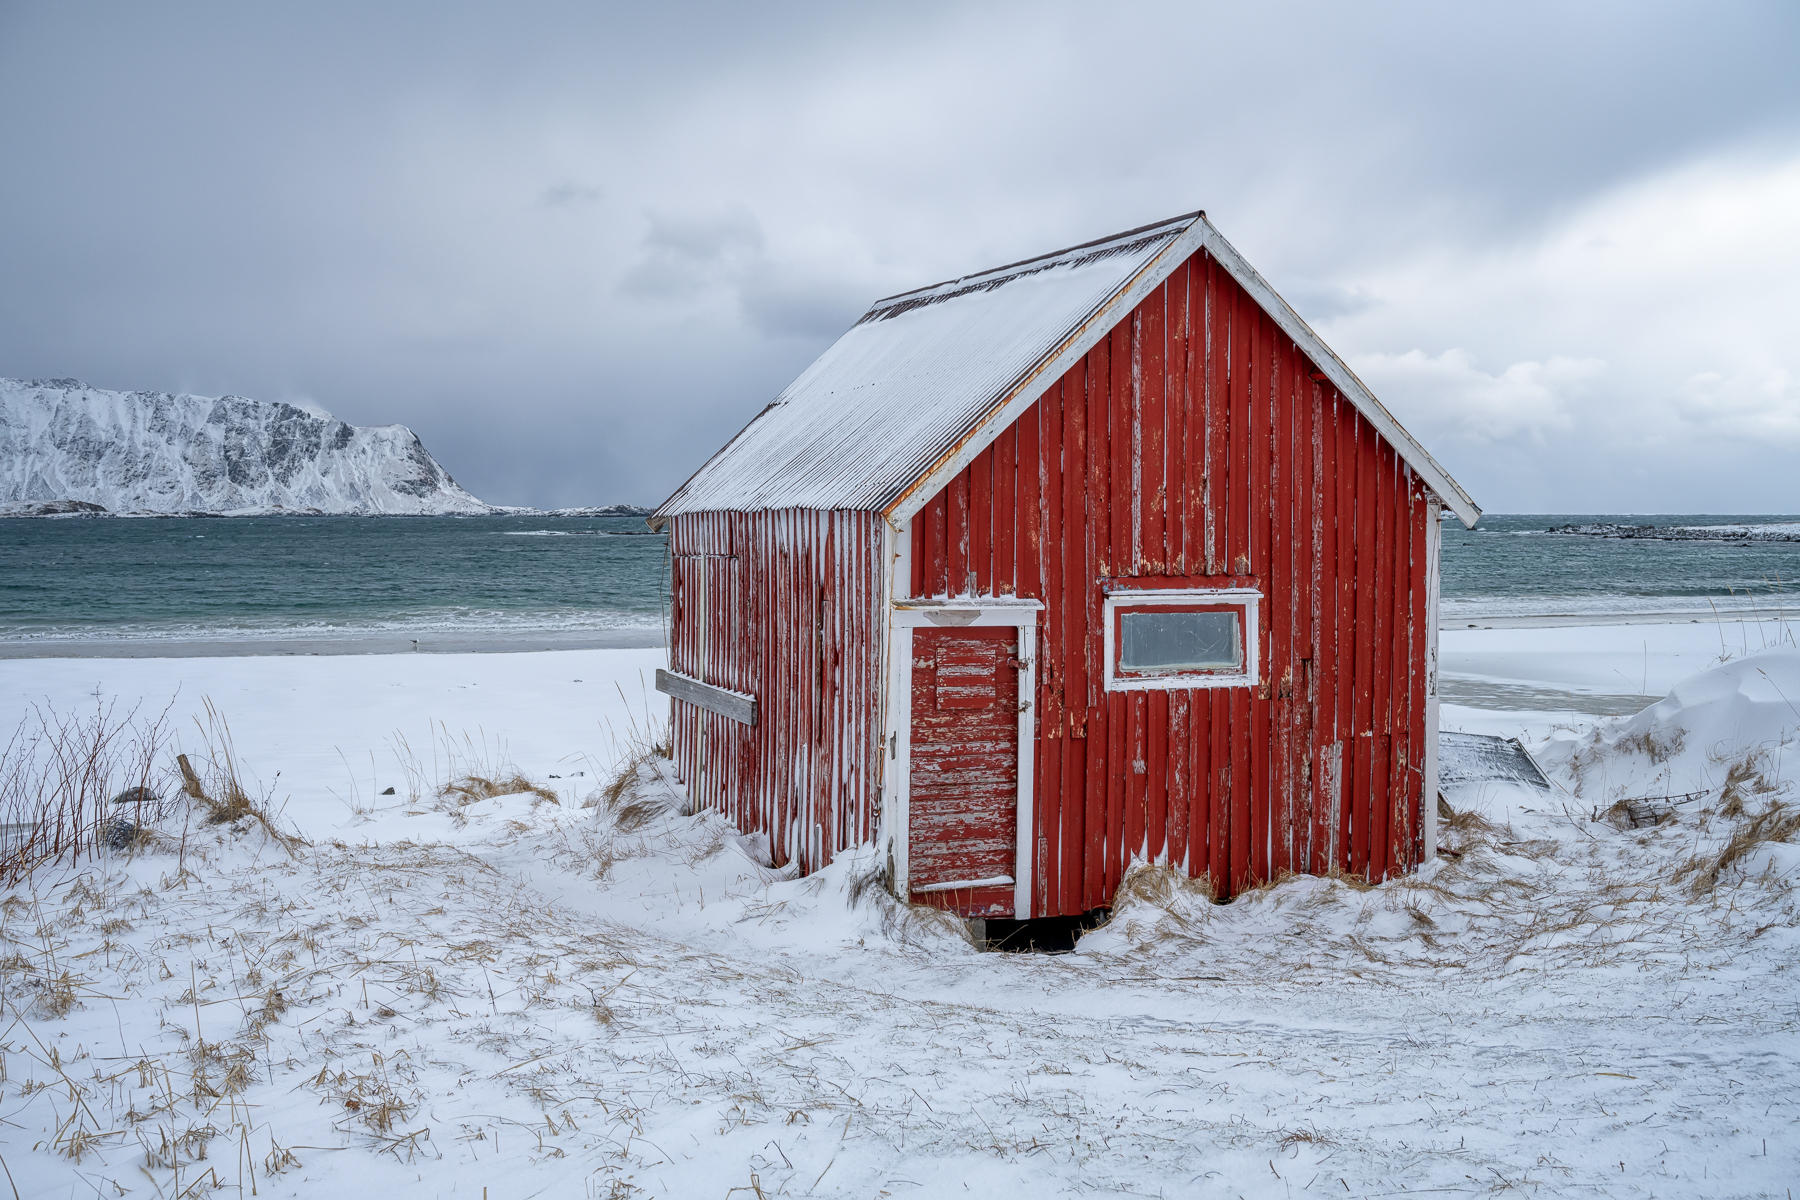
[[154, 452]]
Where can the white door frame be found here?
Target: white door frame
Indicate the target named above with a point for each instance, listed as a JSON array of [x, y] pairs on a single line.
[[946, 613]]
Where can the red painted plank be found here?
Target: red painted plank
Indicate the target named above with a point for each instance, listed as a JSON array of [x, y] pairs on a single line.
[[1094, 536], [1400, 694], [1072, 548], [1175, 767], [1193, 418], [1006, 469], [1325, 651], [981, 529], [1260, 382], [1028, 541], [1363, 728], [1381, 663], [1123, 423], [1072, 605], [1156, 778], [1176, 407], [1280, 609], [1218, 440], [1137, 775], [1153, 496], [1117, 749], [956, 547]]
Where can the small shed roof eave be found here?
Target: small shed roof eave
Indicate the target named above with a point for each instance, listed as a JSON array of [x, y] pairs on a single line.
[[1202, 234], [1046, 371], [1343, 378], [898, 490]]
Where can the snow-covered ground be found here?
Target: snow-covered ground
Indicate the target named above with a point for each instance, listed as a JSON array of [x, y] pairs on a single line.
[[523, 996]]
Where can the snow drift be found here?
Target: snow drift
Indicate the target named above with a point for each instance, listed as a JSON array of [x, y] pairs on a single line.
[[156, 452]]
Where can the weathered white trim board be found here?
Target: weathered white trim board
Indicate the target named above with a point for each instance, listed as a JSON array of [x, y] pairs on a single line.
[[959, 612], [1246, 600], [1428, 803], [735, 706]]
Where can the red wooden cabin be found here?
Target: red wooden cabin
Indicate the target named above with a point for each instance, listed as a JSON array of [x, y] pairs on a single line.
[[1098, 557]]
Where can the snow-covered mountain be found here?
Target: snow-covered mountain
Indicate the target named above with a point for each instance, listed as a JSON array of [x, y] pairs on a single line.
[[153, 452]]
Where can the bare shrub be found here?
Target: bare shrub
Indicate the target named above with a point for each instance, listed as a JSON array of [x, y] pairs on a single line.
[[901, 921], [1776, 823], [1744, 780], [468, 789], [638, 745], [218, 787], [60, 774]]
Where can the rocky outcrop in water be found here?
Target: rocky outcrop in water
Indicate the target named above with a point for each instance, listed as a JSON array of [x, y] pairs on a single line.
[[1686, 533]]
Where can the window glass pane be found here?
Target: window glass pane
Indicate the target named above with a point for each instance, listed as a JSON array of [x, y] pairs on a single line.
[[1180, 641]]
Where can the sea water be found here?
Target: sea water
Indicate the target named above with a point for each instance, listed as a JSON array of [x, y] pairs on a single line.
[[468, 581]]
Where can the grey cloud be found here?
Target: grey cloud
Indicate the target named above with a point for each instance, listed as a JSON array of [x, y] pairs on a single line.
[[576, 246], [568, 194]]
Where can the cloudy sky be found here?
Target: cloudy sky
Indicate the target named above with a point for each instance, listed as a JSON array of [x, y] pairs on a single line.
[[576, 247]]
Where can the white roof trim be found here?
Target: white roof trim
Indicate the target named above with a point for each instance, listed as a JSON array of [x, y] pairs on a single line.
[[1037, 380], [1342, 377], [899, 481], [1202, 234]]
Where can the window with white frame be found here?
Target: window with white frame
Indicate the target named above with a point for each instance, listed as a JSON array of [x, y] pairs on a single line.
[[1181, 638]]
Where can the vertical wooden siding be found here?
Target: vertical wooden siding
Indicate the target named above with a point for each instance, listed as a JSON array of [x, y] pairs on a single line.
[[1197, 442], [792, 605]]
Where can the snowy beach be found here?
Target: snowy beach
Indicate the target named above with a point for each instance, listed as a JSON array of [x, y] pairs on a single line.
[[523, 995]]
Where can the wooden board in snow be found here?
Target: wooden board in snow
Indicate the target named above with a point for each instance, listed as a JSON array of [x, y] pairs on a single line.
[[1482, 758]]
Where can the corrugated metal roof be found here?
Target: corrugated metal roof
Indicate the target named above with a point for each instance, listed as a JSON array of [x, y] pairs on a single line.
[[925, 379], [911, 378]]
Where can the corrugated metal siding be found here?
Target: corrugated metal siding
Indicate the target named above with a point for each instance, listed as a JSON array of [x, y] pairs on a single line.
[[1196, 440], [914, 375], [792, 611]]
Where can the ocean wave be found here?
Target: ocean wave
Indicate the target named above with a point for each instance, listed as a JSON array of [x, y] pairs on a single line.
[[576, 533], [465, 623], [1461, 608]]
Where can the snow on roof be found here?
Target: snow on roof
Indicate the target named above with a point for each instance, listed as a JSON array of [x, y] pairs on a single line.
[[927, 378], [911, 378]]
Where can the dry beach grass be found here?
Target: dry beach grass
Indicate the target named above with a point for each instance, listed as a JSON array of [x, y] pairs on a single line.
[[494, 990]]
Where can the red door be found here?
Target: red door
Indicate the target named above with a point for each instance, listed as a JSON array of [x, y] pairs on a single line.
[[964, 795]]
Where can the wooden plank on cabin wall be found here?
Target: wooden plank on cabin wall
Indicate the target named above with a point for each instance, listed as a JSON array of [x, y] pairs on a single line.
[[1218, 433], [1368, 481], [1098, 386], [1152, 497], [1400, 700], [1317, 680], [956, 552], [1299, 625], [1116, 854], [1178, 396], [1122, 475], [1071, 547], [1381, 681], [1156, 777], [1260, 404], [1279, 611], [1006, 520], [1071, 550], [1238, 550], [981, 528], [1344, 707]]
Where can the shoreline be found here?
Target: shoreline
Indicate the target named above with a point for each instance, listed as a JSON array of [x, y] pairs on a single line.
[[1662, 617], [378, 642], [334, 645]]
